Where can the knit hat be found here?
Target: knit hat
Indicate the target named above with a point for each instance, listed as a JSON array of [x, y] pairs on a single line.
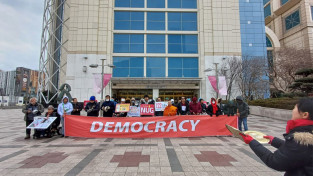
[[92, 98]]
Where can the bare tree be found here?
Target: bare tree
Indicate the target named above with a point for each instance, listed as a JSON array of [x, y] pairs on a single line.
[[231, 68], [287, 61], [252, 79]]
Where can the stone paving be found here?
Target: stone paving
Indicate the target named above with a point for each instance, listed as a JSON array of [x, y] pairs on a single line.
[[200, 156]]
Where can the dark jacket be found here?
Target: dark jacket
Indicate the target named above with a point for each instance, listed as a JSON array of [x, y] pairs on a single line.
[[92, 109], [76, 109], [108, 108], [180, 111], [243, 108], [209, 110], [203, 106], [149, 101], [30, 116], [230, 108], [294, 155]]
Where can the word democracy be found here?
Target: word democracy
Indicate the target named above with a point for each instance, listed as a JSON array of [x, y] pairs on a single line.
[[136, 127]]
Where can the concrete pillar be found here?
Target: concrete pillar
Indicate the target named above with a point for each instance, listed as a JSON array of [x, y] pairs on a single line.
[[155, 94]]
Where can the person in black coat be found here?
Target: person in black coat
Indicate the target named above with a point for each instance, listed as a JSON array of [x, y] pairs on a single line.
[[295, 153], [108, 107], [76, 107], [183, 107], [213, 108], [92, 108]]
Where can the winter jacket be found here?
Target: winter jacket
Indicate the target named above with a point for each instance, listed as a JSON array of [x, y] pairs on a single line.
[[209, 110], [68, 107], [195, 108], [180, 108], [108, 108], [30, 116], [76, 108], [203, 106], [294, 154], [92, 109], [230, 108], [149, 102], [243, 108]]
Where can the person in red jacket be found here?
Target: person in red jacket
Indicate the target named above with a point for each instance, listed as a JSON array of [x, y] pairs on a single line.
[[195, 107]]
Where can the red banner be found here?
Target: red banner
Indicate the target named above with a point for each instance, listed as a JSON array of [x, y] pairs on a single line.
[[148, 127], [147, 109]]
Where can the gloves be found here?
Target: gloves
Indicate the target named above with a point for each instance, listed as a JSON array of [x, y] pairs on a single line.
[[89, 110], [247, 139], [270, 138]]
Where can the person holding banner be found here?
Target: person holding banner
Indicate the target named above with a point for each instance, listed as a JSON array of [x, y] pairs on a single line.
[[121, 114], [159, 113], [108, 107], [213, 108], [183, 107], [64, 108], [92, 107], [195, 107], [294, 155], [170, 110], [76, 107], [31, 110], [146, 100]]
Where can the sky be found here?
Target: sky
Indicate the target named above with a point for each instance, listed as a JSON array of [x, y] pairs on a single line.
[[20, 33]]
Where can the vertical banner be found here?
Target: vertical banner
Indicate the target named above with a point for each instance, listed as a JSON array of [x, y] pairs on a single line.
[[213, 82], [147, 109], [222, 86], [98, 80]]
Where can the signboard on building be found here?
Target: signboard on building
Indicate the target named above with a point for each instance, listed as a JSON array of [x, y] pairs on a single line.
[[147, 109], [160, 106], [122, 107]]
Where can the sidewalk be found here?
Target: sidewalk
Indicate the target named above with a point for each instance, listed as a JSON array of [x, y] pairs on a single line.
[[135, 157]]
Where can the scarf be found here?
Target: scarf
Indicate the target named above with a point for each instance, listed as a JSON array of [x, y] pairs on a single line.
[[214, 106], [291, 124]]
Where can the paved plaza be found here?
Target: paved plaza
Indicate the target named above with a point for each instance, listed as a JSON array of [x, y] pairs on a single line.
[[199, 156]]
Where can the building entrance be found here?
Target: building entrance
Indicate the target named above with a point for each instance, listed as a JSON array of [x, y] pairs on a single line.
[[130, 93], [177, 94]]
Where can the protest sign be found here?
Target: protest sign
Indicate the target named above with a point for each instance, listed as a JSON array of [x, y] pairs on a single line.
[[122, 107], [160, 106], [147, 109], [134, 111], [41, 122]]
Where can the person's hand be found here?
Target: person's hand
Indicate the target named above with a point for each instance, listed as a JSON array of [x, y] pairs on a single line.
[[270, 138], [238, 114], [247, 139]]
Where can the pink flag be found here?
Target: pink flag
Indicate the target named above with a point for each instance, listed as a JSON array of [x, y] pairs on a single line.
[[98, 80], [222, 86], [212, 80]]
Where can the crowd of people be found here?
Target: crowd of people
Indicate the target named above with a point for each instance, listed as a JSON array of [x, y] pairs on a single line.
[[293, 155], [184, 106]]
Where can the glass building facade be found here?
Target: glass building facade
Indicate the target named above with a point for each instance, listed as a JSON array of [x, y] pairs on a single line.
[[253, 38], [156, 39]]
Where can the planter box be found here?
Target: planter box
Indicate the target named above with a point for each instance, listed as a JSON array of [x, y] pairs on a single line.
[[279, 114]]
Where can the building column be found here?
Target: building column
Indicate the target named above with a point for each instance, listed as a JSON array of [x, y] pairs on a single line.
[[155, 93]]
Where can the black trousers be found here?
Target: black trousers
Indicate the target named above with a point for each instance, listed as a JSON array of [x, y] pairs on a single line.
[[28, 122]]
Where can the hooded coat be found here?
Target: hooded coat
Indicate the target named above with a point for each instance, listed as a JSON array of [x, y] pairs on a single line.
[[294, 154], [242, 107], [68, 107], [213, 108], [195, 107]]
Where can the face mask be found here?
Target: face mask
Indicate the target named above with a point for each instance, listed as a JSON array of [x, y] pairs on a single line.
[[107, 99]]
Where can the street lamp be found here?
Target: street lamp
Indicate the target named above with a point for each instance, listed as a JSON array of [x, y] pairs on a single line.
[[102, 72]]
